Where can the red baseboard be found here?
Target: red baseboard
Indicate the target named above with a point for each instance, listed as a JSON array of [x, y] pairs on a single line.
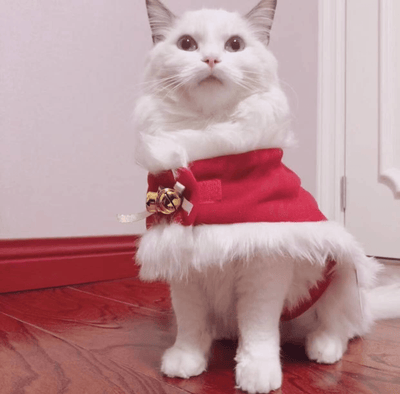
[[40, 263]]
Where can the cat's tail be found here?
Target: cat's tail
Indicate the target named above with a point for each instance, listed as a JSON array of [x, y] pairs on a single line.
[[385, 301]]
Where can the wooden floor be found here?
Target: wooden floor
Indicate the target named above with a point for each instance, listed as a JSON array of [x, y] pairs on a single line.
[[108, 338]]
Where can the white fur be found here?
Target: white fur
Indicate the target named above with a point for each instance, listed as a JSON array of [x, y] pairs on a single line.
[[230, 281], [180, 119], [384, 301], [172, 251]]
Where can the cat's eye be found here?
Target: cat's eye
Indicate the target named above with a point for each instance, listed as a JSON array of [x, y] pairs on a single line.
[[187, 43], [235, 44]]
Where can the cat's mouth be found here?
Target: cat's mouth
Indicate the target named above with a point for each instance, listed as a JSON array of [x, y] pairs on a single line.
[[211, 79]]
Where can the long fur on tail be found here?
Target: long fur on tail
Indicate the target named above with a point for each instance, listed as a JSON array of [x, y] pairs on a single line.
[[385, 301]]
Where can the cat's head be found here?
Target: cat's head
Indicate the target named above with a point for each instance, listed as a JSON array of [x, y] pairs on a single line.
[[209, 60]]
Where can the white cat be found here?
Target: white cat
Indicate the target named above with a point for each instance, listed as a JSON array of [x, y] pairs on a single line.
[[212, 91]]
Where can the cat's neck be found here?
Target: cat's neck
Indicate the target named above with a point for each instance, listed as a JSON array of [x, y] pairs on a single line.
[[171, 137], [184, 110]]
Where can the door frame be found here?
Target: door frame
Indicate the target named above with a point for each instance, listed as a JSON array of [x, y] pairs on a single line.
[[389, 174], [331, 130]]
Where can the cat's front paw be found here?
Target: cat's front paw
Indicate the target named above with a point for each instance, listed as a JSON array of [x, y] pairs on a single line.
[[257, 375], [324, 347], [182, 363]]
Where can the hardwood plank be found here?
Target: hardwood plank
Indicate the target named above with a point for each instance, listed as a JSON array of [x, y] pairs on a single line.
[[133, 338], [121, 334], [379, 350], [300, 375], [343, 377], [393, 323], [153, 295], [34, 361], [346, 376]]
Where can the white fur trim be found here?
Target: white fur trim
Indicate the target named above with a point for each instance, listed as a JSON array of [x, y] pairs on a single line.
[[173, 251]]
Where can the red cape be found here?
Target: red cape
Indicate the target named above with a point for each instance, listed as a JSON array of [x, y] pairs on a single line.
[[249, 187]]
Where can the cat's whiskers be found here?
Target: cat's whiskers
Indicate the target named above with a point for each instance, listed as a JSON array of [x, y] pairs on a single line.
[[255, 84], [292, 90], [237, 78], [166, 83], [168, 86], [163, 84], [250, 86], [249, 73], [154, 81], [180, 80], [183, 82]]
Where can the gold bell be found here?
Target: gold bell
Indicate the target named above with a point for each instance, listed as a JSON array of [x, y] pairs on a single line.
[[168, 201], [165, 201], [151, 202]]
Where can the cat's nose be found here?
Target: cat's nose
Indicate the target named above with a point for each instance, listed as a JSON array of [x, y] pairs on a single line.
[[211, 61]]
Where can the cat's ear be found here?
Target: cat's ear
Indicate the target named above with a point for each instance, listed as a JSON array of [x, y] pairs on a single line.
[[261, 18], [161, 19]]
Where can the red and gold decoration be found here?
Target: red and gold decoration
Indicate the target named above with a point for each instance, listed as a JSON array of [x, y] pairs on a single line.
[[165, 201]]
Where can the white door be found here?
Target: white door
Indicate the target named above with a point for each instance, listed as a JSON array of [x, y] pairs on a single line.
[[372, 165]]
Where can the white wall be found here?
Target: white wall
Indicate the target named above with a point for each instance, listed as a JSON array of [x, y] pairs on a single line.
[[69, 74]]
